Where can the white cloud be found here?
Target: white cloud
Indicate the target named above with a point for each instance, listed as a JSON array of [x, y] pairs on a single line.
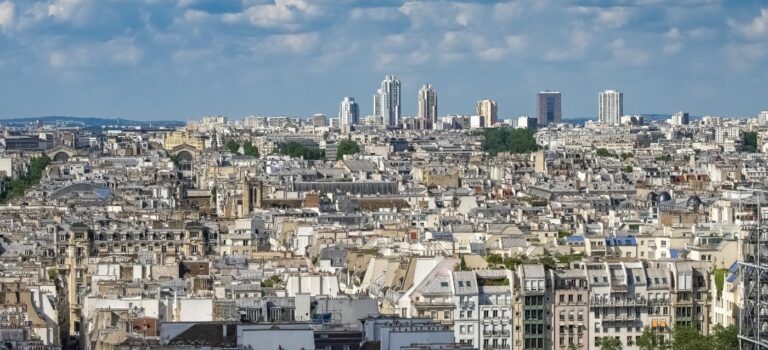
[[7, 14], [744, 56], [757, 28], [507, 11], [579, 41], [628, 55], [115, 52], [674, 42], [286, 14], [445, 15], [286, 43], [610, 17], [381, 14], [701, 33]]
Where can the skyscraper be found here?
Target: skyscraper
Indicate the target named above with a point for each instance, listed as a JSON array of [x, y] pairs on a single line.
[[386, 101], [549, 108], [349, 112], [611, 107], [427, 114], [487, 108]]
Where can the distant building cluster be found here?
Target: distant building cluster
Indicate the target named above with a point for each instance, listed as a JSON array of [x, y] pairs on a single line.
[[386, 232]]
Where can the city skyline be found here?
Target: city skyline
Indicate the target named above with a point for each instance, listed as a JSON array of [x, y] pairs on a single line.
[[184, 59]]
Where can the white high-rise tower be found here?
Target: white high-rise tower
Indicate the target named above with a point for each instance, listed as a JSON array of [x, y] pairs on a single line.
[[427, 114], [349, 112], [611, 107], [386, 101]]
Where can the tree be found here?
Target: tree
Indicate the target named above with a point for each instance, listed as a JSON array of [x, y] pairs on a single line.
[[296, 150], [250, 150], [604, 152], [651, 340], [346, 147], [494, 259], [233, 146], [725, 337], [509, 140], [628, 169], [750, 142], [688, 338], [18, 187], [270, 282], [610, 343]]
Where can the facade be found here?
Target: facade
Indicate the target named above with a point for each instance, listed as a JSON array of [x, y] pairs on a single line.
[[386, 101], [349, 113], [488, 109], [532, 308], [427, 112], [549, 108], [611, 107], [570, 310]]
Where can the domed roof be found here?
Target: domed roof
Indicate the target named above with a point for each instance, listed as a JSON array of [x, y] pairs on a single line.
[[693, 203], [652, 197], [664, 196]]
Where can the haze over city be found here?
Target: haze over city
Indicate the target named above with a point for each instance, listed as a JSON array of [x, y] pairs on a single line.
[[188, 58]]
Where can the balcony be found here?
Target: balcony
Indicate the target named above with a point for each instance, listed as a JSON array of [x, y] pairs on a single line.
[[434, 304]]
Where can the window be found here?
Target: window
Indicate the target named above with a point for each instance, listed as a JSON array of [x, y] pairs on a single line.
[[446, 315]]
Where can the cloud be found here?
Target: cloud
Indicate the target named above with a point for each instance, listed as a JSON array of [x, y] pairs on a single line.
[[628, 55], [579, 41], [610, 17], [743, 57], [381, 14], [757, 28], [111, 53], [444, 15], [7, 14], [673, 43], [283, 14]]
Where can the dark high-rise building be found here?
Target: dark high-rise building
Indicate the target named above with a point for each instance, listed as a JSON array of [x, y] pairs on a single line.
[[548, 108]]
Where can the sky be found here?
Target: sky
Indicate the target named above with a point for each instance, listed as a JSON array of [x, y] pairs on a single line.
[[183, 59]]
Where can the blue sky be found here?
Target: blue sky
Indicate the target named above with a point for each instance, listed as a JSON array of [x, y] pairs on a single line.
[[182, 59]]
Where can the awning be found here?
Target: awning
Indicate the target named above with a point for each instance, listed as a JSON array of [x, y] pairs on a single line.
[[663, 324], [654, 324]]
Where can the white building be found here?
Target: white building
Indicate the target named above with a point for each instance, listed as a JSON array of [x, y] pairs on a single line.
[[386, 101], [611, 107], [349, 113], [487, 108], [427, 113], [476, 122], [525, 122]]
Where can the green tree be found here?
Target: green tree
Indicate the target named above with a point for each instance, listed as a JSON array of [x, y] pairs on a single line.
[[509, 140], [296, 150], [17, 187], [512, 262], [604, 152], [688, 338], [725, 337], [270, 282], [250, 150], [233, 146], [750, 142], [610, 343], [628, 169], [494, 259], [627, 155], [548, 261], [346, 147], [651, 340]]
